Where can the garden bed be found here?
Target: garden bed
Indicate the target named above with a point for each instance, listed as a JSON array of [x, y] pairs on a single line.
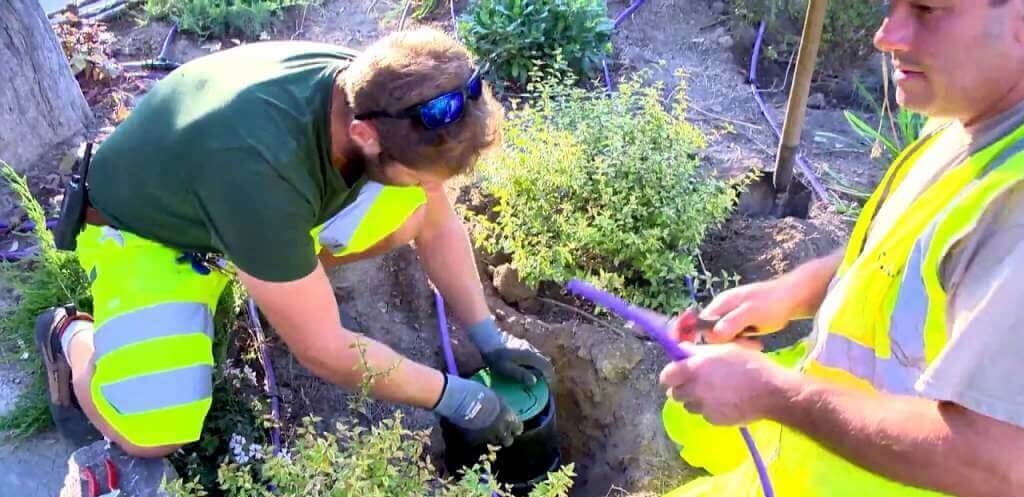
[[606, 388]]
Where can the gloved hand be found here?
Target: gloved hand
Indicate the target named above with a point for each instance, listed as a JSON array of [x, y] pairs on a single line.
[[481, 415], [507, 355]]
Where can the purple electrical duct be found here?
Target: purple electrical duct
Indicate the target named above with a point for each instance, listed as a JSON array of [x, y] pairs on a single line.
[[16, 256], [446, 343], [26, 226], [607, 75], [642, 317], [752, 75], [275, 410], [647, 321], [442, 323], [629, 10]]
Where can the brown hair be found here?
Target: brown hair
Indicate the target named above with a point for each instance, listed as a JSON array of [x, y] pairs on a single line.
[[410, 67]]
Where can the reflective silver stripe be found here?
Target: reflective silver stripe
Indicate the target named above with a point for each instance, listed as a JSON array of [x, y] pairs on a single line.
[[160, 390], [906, 324], [158, 321], [338, 231], [1004, 156], [887, 375], [906, 327]]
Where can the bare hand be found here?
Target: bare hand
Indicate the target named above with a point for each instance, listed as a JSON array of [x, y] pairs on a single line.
[[764, 307], [728, 384]]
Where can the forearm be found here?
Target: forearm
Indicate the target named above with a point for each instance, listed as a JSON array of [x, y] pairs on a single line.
[[917, 441], [447, 257], [808, 283], [305, 315], [354, 360]]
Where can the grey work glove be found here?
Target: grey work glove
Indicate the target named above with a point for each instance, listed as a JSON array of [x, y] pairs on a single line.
[[478, 412], [507, 355]]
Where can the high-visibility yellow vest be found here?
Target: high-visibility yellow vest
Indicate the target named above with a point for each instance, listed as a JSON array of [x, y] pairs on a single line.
[[889, 325], [377, 211]]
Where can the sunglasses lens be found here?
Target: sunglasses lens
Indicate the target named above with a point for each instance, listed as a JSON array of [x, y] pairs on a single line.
[[475, 87], [442, 110]]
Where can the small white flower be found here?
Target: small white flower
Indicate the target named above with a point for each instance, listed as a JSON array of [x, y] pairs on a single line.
[[237, 446], [256, 451], [24, 356], [250, 374]]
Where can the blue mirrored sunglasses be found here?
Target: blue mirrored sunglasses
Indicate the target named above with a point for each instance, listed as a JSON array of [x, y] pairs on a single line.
[[441, 110]]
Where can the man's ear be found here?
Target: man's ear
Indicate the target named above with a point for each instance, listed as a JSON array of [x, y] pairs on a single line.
[[364, 135]]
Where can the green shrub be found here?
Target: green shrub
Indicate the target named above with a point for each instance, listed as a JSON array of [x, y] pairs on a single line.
[[221, 17], [846, 39], [383, 461], [606, 189], [47, 278], [517, 36]]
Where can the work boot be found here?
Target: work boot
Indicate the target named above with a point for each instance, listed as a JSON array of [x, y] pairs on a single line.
[[67, 414]]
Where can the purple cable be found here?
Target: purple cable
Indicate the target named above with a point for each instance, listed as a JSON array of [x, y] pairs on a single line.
[[805, 168], [607, 75], [752, 76], [644, 319], [16, 255], [442, 323], [618, 20], [26, 226], [446, 342], [629, 10], [275, 411]]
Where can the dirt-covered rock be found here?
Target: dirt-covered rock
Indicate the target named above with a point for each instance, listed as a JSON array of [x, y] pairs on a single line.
[[509, 286]]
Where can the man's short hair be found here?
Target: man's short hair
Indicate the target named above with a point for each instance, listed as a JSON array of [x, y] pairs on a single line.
[[407, 68]]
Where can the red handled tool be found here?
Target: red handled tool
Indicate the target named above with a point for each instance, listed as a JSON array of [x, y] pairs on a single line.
[[92, 484]]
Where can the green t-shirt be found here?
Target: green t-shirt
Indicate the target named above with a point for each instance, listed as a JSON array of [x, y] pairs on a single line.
[[230, 153]]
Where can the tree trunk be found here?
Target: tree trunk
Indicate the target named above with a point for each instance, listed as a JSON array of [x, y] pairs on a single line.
[[41, 103]]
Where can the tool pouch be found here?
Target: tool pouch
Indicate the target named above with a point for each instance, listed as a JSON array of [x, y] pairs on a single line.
[[74, 205]]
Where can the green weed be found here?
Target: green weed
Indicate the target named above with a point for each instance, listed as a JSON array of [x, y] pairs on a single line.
[[902, 129], [48, 278]]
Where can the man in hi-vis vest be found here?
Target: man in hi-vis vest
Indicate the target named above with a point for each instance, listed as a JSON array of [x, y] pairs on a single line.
[[270, 162], [912, 382]]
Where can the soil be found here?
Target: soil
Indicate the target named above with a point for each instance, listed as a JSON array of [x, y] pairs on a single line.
[[606, 388]]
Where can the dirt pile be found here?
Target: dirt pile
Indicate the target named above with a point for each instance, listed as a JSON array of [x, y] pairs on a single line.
[[761, 248]]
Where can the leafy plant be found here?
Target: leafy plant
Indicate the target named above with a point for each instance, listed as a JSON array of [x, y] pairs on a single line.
[[606, 189], [903, 129], [382, 461], [221, 17], [47, 278], [846, 36], [516, 36]]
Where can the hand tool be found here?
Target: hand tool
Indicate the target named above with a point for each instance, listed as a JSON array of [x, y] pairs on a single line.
[[93, 485]]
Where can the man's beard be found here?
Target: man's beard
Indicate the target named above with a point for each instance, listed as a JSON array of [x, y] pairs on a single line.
[[358, 164]]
